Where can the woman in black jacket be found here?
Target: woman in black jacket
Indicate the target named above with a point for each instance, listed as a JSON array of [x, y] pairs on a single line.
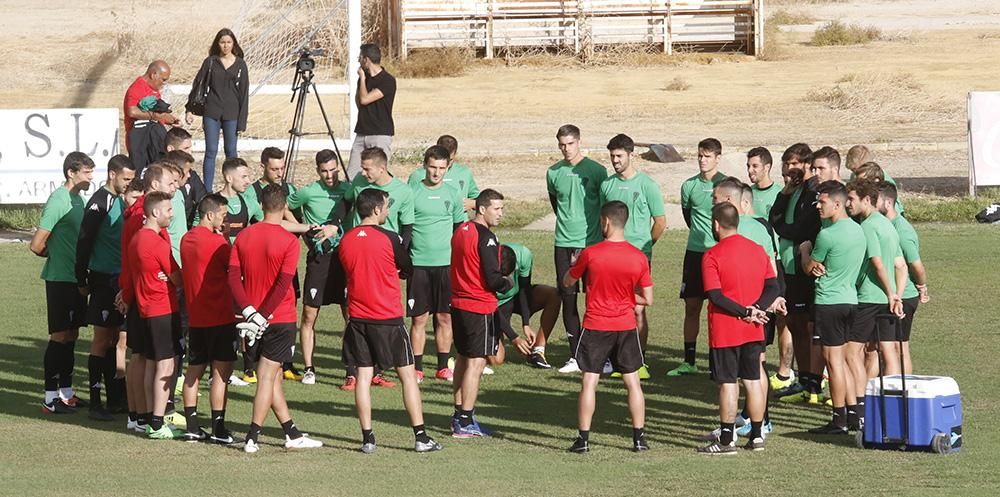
[[225, 98]]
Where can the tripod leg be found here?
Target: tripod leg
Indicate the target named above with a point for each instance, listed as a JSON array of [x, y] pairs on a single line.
[[329, 131]]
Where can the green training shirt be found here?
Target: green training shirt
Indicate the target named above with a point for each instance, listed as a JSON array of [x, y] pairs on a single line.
[[751, 228], [400, 202], [577, 190], [435, 212], [840, 247], [909, 244], [785, 246], [644, 200], [696, 196], [764, 199], [106, 256], [178, 225], [318, 201], [458, 177], [61, 217], [881, 240], [521, 270]]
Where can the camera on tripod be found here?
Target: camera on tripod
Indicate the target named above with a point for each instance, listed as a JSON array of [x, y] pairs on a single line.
[[306, 62]]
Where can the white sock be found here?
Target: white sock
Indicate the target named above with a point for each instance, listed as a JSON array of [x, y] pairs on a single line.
[[51, 395], [538, 350], [66, 393]]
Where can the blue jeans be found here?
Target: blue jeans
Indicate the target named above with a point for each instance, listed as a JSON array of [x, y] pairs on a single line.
[[212, 128]]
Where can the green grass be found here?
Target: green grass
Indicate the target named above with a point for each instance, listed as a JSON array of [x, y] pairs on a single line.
[[19, 217], [954, 335], [924, 209]]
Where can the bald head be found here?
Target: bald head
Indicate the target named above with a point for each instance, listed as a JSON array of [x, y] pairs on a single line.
[[157, 74]]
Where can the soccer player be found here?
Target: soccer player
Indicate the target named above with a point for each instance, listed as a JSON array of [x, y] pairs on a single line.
[[874, 172], [835, 262], [374, 260], [740, 283], [212, 338], [98, 262], [437, 211], [696, 205], [240, 212], [475, 281], [765, 190], [826, 165], [262, 263], [574, 186], [322, 203], [916, 284], [615, 270], [55, 239], [151, 288], [795, 218], [526, 299], [459, 176], [881, 282], [647, 219], [190, 187]]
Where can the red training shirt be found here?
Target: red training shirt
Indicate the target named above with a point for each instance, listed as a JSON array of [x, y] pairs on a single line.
[[614, 271], [374, 259], [135, 218], [738, 267], [475, 269], [263, 254], [151, 260], [205, 262], [138, 90]]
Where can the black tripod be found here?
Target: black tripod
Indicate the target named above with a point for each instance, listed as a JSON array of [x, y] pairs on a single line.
[[301, 85]]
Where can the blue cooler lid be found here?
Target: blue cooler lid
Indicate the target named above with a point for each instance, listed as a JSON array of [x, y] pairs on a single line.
[[917, 386]]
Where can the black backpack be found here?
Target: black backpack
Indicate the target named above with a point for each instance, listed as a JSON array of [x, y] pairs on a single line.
[[990, 214]]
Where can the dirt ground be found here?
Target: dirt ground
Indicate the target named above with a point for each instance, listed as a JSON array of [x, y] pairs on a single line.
[[505, 117]]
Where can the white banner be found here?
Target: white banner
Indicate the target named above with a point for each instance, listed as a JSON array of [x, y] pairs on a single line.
[[35, 142], [984, 139]]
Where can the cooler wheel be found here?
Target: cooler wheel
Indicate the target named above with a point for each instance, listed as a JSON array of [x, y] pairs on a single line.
[[941, 443], [859, 439]]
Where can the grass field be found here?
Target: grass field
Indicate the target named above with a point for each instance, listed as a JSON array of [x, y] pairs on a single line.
[[955, 335]]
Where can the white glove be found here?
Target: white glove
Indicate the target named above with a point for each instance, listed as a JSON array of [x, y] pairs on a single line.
[[250, 331], [252, 316]]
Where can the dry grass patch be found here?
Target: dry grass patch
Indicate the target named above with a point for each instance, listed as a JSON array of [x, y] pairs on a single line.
[[433, 63], [677, 84], [838, 33], [896, 97], [783, 17]]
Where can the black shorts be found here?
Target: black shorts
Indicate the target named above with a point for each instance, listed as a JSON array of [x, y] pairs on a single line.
[[475, 335], [428, 290], [597, 347], [865, 327], [101, 309], [833, 323], [278, 342], [325, 282], [215, 343], [67, 309], [563, 257], [385, 344], [728, 364], [505, 312], [770, 329], [692, 286], [160, 339], [909, 308], [800, 293], [135, 331], [893, 330]]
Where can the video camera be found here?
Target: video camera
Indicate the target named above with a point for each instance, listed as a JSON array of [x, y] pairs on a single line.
[[306, 62]]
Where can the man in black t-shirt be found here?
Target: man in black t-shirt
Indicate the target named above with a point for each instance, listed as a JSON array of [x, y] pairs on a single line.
[[375, 94]]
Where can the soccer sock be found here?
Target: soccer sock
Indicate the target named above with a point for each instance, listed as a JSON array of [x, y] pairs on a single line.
[[420, 434], [808, 382], [108, 370], [442, 358], [840, 417], [538, 350], [458, 411], [781, 376], [253, 433], [156, 422], [861, 410], [689, 349], [50, 365], [367, 436], [133, 416], [218, 422], [249, 365], [745, 413], [286, 366], [291, 430], [171, 408], [352, 371], [585, 435], [465, 418], [852, 416], [755, 427], [94, 372], [767, 409], [51, 395], [67, 364], [571, 321], [191, 416], [726, 431], [418, 362], [638, 434], [145, 418]]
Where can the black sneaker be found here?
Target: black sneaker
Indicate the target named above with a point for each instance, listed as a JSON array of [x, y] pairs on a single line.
[[99, 413], [199, 435], [756, 444], [640, 445], [580, 446], [57, 406], [224, 438], [829, 429], [717, 449], [537, 360]]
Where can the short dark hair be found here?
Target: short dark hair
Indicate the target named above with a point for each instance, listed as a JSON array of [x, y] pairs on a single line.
[[568, 130], [120, 162], [449, 142], [371, 52], [324, 156], [271, 153], [154, 172], [231, 164], [833, 189], [136, 185], [889, 192], [800, 151], [871, 171], [615, 211], [747, 191], [731, 186], [153, 199], [711, 145], [211, 203], [865, 188], [763, 153], [621, 141], [486, 198], [508, 260], [726, 215], [273, 197], [179, 158], [375, 154], [830, 154], [368, 200], [436, 152], [176, 136], [75, 161]]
